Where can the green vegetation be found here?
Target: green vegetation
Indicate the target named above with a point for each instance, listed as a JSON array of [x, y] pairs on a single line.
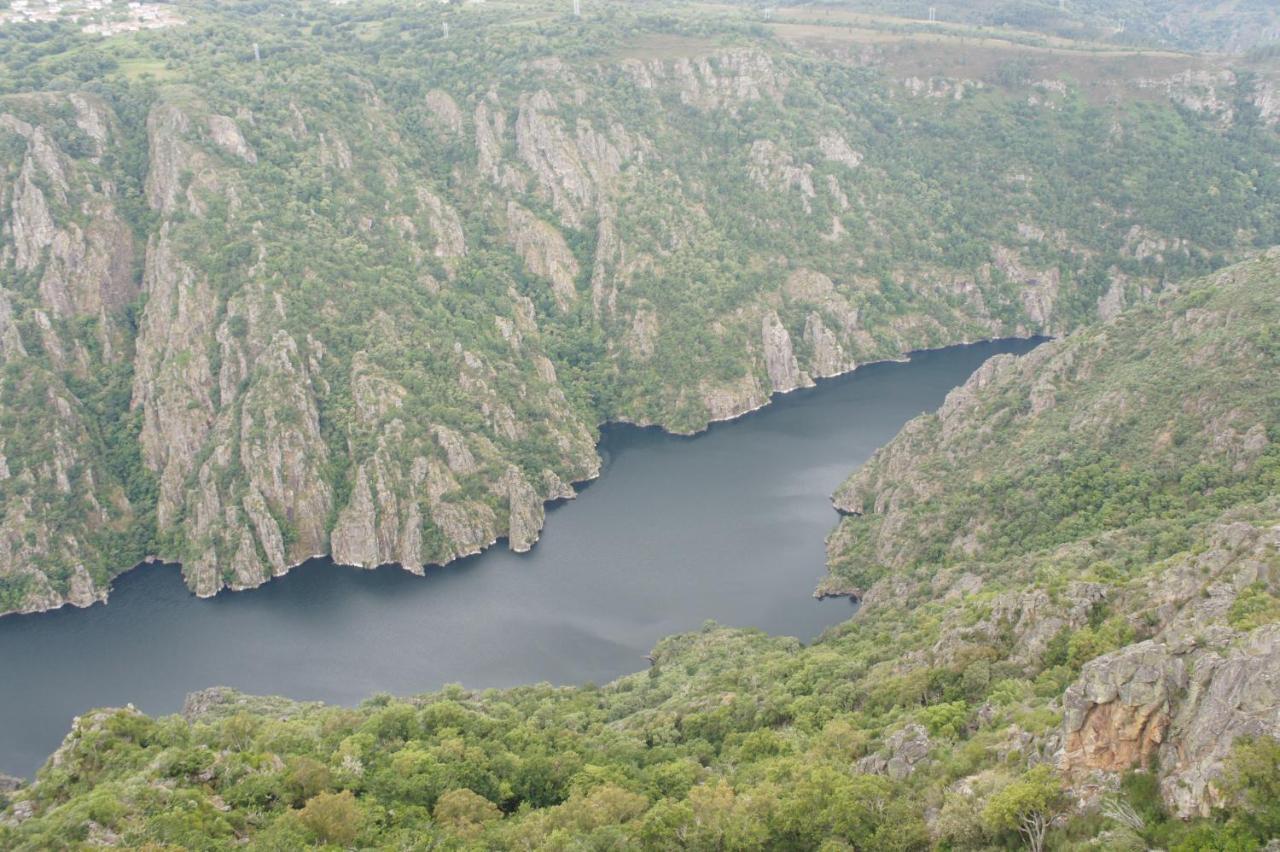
[[1183, 428], [659, 760], [372, 289], [367, 211], [931, 719], [1028, 805], [1186, 24]]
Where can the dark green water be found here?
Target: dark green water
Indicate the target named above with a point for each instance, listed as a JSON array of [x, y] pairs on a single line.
[[728, 525]]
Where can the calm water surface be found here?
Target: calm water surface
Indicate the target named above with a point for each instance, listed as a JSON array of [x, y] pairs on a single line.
[[728, 525]]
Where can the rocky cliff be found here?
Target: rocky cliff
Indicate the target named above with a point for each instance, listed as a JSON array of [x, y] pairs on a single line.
[[65, 340], [1102, 660], [1207, 676], [251, 321], [1100, 515]]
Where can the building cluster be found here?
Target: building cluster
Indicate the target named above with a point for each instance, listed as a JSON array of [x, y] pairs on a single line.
[[102, 17]]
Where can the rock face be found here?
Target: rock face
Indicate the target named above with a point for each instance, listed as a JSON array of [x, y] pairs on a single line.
[[66, 279], [174, 380], [86, 267], [9, 784], [779, 357], [526, 512], [904, 751], [1117, 715], [249, 325], [1031, 620], [835, 148], [1227, 697], [220, 702], [283, 503], [832, 325], [226, 135], [1178, 654], [574, 172], [773, 168], [234, 395], [166, 126], [1203, 680], [544, 252], [444, 109], [444, 223], [726, 402], [828, 355], [356, 539], [897, 495], [721, 81], [1184, 706]]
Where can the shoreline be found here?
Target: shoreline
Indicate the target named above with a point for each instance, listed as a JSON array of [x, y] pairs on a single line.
[[577, 485]]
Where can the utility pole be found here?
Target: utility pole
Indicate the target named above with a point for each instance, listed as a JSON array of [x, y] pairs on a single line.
[[445, 26], [257, 57], [577, 8], [933, 13]]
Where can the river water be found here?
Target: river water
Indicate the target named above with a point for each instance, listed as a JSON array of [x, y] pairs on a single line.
[[728, 525]]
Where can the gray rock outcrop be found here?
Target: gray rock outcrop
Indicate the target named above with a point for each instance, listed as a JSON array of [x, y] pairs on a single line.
[[905, 750], [779, 356], [544, 252]]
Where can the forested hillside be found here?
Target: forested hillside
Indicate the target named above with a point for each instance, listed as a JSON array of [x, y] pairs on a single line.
[[1096, 676], [281, 279]]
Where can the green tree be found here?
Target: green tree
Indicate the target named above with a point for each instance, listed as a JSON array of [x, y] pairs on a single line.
[[1028, 805], [465, 812], [1251, 785], [307, 778], [332, 817]]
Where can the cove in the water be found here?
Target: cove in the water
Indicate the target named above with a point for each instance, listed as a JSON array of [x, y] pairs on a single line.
[[728, 525]]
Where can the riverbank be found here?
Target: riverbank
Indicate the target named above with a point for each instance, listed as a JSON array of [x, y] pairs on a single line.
[[726, 526], [575, 488]]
